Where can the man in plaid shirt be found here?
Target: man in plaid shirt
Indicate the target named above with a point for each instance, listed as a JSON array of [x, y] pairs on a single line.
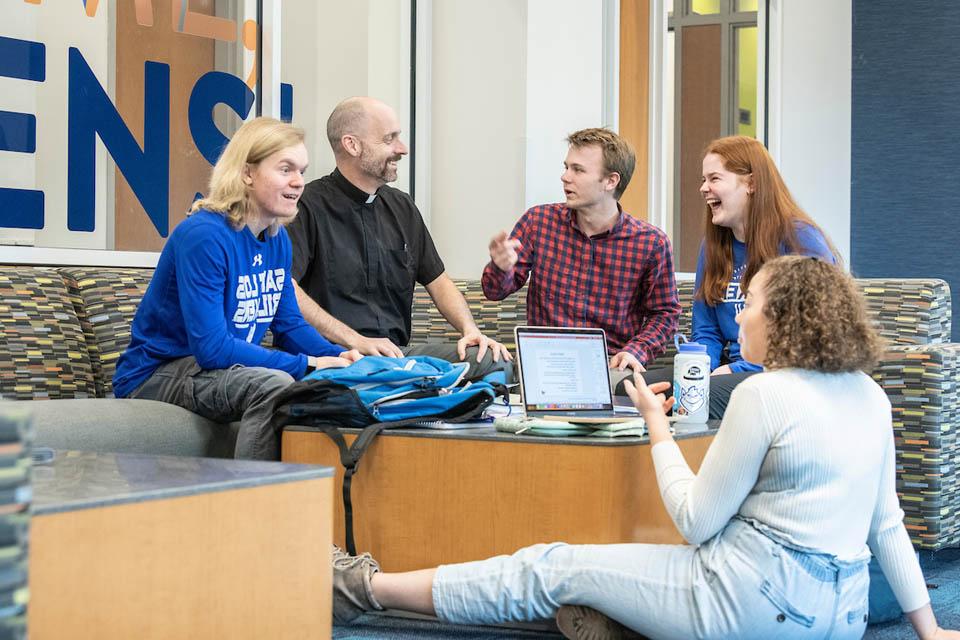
[[589, 263]]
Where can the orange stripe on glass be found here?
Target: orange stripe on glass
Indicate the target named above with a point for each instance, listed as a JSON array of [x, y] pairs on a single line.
[[198, 24], [250, 44], [144, 9]]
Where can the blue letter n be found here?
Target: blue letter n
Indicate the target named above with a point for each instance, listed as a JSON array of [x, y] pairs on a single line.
[[91, 113]]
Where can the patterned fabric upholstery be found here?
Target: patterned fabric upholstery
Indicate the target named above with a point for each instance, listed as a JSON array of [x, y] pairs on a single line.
[[923, 384], [685, 295], [919, 373], [106, 300], [495, 319], [43, 353], [909, 311]]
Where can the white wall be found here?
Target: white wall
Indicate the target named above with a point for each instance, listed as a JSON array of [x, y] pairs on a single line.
[[810, 108], [564, 87], [478, 127], [510, 79]]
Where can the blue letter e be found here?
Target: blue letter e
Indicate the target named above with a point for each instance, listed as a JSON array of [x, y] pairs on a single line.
[[91, 113]]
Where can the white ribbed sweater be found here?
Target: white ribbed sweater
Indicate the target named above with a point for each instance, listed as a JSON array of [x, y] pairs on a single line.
[[808, 457]]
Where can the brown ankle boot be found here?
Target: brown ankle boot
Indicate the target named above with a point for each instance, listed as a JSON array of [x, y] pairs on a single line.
[[352, 592], [583, 623]]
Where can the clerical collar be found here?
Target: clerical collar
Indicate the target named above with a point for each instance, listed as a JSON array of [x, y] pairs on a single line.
[[351, 190]]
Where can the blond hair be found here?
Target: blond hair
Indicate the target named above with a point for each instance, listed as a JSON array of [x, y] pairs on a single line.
[[255, 140]]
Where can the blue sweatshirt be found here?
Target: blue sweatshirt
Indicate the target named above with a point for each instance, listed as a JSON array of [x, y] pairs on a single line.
[[715, 326], [213, 295]]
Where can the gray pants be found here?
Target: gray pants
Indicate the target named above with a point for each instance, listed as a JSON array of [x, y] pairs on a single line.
[[224, 395], [448, 351]]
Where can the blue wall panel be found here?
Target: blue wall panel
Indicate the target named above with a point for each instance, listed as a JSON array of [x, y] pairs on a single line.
[[905, 192]]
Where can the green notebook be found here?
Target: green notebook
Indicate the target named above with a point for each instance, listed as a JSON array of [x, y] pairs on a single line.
[[522, 425]]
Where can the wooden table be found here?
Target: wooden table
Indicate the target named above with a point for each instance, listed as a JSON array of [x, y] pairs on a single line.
[[424, 497], [131, 546]]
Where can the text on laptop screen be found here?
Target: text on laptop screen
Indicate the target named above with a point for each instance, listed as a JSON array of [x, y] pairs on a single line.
[[565, 371]]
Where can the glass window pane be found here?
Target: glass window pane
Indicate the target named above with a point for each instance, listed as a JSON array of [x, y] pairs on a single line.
[[149, 74], [372, 59], [746, 90], [746, 5], [705, 7]]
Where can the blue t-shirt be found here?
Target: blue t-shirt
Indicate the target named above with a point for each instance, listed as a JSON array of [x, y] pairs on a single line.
[[214, 294], [715, 326]]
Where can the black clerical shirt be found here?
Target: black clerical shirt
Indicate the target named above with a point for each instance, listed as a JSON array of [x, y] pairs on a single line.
[[359, 256]]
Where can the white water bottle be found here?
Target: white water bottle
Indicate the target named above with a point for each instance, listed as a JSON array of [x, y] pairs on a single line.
[[691, 381]]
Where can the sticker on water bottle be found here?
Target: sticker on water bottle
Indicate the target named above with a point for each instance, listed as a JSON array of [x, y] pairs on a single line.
[[691, 397]]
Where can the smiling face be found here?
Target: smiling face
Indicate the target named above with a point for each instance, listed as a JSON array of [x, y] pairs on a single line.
[[753, 321], [276, 182], [380, 145], [586, 182], [727, 194]]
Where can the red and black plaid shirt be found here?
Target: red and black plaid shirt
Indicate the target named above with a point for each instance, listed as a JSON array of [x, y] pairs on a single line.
[[620, 280]]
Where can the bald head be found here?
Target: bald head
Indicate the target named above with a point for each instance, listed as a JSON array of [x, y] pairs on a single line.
[[365, 136], [351, 117]]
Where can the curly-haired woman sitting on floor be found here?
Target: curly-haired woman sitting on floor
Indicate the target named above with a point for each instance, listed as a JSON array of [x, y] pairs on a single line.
[[794, 493]]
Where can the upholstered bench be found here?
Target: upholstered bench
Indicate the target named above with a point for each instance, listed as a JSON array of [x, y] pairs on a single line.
[[61, 332], [63, 328]]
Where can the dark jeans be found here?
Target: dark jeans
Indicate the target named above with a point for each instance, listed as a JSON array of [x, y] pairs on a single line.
[[224, 395], [720, 387]]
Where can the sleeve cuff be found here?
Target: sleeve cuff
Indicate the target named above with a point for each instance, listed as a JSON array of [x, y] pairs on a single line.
[[741, 366]]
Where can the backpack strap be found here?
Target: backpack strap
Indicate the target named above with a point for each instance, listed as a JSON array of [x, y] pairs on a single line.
[[321, 405], [350, 459], [350, 462]]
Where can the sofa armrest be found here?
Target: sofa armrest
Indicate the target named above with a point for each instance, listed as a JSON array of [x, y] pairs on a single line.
[[922, 384], [129, 426]]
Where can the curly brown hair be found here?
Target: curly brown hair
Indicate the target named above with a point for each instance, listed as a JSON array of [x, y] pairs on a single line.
[[817, 318]]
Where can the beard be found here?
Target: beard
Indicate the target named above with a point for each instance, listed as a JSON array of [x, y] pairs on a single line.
[[378, 167]]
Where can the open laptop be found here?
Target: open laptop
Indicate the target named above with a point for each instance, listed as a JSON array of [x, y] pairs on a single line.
[[564, 375]]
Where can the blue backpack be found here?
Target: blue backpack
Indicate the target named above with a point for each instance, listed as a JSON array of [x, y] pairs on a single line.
[[377, 393]]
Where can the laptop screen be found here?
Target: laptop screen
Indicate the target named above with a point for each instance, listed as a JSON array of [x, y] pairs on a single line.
[[563, 369]]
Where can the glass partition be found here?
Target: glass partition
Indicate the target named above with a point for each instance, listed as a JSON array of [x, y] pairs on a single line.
[[113, 111], [333, 50], [705, 7], [712, 81], [127, 104]]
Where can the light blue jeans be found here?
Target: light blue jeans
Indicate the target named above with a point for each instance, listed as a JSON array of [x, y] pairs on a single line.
[[739, 584]]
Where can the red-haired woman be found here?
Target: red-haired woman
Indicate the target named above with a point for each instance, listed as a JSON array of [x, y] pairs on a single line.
[[751, 218]]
